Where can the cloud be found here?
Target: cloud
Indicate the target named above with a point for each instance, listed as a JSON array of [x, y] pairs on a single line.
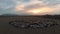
[[29, 5], [6, 4], [49, 6], [24, 6]]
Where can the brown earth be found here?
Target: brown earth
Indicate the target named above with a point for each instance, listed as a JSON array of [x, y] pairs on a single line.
[[5, 28]]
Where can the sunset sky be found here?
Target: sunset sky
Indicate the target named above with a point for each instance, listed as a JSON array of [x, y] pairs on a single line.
[[30, 7]]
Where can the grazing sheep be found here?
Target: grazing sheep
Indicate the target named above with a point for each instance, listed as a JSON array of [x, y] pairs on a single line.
[[23, 26], [19, 25], [10, 22], [46, 26], [34, 25], [37, 25], [53, 25], [13, 23]]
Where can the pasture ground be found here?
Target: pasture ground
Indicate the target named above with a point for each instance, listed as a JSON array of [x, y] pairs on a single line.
[[5, 28]]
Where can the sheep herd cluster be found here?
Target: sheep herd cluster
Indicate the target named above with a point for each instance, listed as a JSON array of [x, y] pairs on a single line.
[[32, 25]]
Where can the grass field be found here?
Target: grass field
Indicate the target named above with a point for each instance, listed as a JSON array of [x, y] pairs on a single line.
[[5, 28]]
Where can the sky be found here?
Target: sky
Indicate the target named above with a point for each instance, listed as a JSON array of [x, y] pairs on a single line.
[[30, 7]]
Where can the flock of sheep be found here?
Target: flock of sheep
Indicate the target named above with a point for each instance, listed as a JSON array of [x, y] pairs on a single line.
[[33, 25]]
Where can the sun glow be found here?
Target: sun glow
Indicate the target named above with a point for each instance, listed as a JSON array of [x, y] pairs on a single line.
[[37, 11]]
